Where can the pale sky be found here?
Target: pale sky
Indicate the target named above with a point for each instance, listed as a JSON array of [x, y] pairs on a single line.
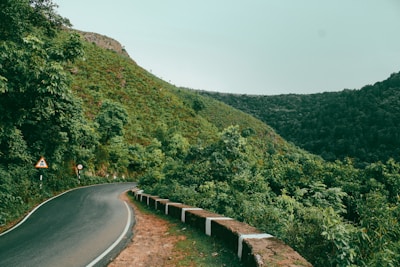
[[265, 47]]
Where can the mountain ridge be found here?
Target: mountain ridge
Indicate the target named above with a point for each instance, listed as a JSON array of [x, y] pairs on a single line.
[[317, 122]]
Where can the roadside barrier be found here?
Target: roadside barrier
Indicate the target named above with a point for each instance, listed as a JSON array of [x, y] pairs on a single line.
[[253, 247]]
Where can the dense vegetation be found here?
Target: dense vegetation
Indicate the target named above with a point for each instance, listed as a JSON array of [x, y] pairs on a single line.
[[332, 213], [362, 124], [72, 102], [39, 115]]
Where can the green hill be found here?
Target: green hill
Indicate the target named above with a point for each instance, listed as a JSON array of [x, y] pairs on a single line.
[[77, 98], [154, 106], [362, 124]]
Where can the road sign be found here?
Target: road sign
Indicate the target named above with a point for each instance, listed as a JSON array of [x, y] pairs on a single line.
[[79, 166], [41, 164]]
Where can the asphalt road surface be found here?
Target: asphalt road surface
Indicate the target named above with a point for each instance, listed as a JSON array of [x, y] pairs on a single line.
[[82, 227]]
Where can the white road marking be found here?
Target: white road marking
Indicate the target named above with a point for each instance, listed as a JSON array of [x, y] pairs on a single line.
[[30, 213], [128, 223]]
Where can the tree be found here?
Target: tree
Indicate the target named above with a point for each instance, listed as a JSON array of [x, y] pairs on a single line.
[[111, 120], [20, 17], [13, 17], [198, 104], [35, 98]]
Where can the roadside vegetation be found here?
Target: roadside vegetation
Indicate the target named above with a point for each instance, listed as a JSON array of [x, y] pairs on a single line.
[[74, 102]]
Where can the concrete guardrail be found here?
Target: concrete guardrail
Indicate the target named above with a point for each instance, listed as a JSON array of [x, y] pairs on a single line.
[[253, 247]]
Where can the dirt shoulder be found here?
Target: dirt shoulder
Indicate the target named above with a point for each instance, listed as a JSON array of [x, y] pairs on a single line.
[[152, 244], [155, 243]]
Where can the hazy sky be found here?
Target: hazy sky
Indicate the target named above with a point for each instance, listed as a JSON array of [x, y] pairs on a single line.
[[254, 46]]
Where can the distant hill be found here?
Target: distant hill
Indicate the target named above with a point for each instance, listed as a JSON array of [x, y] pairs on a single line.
[[362, 124]]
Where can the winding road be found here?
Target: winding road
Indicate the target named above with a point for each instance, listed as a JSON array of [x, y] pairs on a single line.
[[82, 227]]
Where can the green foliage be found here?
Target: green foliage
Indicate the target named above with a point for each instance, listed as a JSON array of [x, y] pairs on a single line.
[[39, 114], [342, 236], [116, 119], [388, 175], [20, 17], [326, 211], [45, 15], [320, 123], [111, 119], [379, 220], [118, 154], [15, 13], [198, 104], [37, 102]]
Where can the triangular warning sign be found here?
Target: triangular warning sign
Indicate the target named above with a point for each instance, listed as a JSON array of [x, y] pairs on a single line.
[[41, 164]]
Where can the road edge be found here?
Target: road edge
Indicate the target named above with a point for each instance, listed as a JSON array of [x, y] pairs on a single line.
[[32, 211], [112, 251]]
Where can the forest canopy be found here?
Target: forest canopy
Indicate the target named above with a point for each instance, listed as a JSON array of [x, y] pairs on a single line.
[[361, 124]]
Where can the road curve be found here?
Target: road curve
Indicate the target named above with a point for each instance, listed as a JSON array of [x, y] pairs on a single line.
[[78, 228]]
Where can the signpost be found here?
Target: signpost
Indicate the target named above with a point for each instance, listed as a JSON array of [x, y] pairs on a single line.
[[79, 167], [41, 164]]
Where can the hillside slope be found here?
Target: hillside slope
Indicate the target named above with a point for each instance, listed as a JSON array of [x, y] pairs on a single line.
[[362, 124], [155, 106]]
